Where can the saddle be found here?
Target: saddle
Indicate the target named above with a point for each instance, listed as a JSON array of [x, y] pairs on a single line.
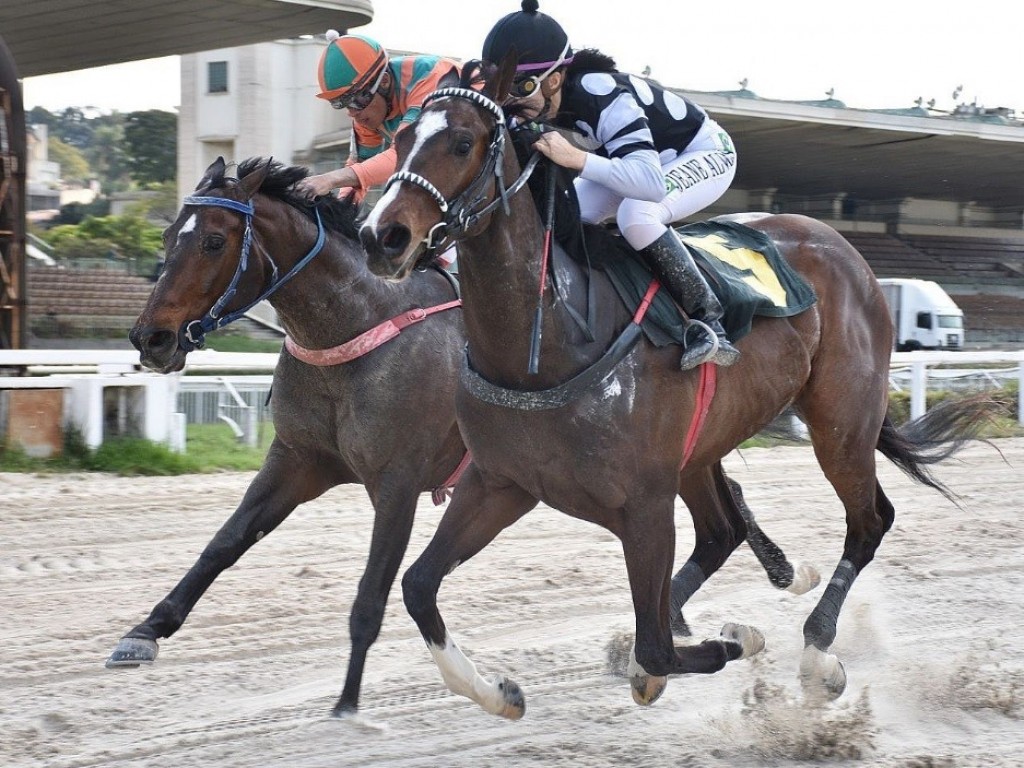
[[742, 266]]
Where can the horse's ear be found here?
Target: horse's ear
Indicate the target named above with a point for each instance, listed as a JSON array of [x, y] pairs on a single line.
[[499, 83], [250, 184], [213, 174]]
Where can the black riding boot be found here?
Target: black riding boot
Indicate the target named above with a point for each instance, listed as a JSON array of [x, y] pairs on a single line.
[[675, 269]]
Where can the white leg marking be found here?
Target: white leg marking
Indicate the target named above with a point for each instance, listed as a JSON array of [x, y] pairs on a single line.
[[461, 677]]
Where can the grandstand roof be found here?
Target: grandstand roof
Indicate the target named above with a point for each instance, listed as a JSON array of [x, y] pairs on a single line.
[[806, 149], [798, 148], [61, 35]]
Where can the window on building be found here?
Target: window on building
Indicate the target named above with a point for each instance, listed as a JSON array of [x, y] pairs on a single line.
[[217, 76]]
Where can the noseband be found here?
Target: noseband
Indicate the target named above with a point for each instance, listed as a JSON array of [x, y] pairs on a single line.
[[460, 214], [193, 334]]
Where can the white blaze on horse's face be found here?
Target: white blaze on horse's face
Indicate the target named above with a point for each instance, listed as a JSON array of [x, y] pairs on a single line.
[[188, 226], [426, 127]]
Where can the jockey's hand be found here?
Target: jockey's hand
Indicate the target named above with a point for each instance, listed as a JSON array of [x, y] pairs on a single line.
[[556, 148], [313, 187]]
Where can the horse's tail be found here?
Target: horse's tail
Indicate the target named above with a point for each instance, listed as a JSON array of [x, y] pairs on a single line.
[[936, 436]]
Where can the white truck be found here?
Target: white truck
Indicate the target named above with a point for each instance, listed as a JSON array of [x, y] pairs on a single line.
[[924, 315]]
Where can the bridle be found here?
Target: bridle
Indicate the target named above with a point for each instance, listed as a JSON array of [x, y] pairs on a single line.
[[192, 335], [462, 213]]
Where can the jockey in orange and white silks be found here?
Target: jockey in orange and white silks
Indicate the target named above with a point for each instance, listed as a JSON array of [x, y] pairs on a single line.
[[382, 94], [657, 158]]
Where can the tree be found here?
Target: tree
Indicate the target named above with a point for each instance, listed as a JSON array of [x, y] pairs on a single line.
[[108, 158], [73, 127], [152, 138], [73, 165]]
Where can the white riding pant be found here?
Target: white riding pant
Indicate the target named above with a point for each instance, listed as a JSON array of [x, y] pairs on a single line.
[[694, 179]]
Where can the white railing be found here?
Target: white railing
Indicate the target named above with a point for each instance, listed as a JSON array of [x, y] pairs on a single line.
[[149, 399], [920, 363]]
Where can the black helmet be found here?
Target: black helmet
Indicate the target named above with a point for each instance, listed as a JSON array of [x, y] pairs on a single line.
[[539, 41]]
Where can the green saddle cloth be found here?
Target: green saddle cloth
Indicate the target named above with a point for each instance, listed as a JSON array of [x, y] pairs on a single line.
[[743, 268]]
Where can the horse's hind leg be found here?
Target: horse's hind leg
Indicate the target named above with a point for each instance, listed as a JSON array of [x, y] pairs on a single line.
[[722, 520], [285, 481], [395, 510], [794, 576], [844, 443], [478, 512]]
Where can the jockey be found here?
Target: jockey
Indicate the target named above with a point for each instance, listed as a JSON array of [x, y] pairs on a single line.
[[382, 95], [658, 158]]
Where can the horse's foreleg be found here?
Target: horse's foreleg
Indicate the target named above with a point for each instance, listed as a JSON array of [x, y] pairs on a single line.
[[478, 512], [285, 481], [648, 542], [395, 507]]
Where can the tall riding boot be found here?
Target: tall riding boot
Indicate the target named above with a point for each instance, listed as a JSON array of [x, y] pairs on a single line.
[[674, 267]]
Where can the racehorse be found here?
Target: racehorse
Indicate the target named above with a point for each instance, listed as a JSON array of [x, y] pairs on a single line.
[[605, 447], [345, 410], [382, 416]]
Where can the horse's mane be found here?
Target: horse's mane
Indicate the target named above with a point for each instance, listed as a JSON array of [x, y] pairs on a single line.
[[338, 215]]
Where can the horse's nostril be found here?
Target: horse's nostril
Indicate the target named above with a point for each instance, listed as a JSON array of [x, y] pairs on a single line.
[[395, 239]]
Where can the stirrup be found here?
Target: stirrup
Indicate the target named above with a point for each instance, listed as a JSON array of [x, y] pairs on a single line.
[[708, 347]]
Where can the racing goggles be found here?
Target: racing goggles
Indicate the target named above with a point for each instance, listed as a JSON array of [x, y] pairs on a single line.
[[524, 87], [359, 100]]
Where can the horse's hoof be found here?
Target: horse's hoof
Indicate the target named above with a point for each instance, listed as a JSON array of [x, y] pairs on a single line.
[[805, 578], [822, 675], [131, 652], [514, 702], [646, 689], [750, 639]]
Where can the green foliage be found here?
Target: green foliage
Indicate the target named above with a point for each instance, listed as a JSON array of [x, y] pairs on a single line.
[[73, 213], [108, 157], [233, 342], [208, 448], [74, 168], [152, 138], [120, 237]]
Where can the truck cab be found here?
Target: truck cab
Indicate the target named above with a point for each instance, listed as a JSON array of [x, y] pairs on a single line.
[[923, 314]]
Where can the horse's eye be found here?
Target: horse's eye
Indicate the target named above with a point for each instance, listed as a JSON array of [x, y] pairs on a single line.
[[213, 243], [463, 146]]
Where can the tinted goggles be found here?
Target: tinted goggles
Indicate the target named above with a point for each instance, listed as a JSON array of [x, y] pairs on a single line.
[[359, 100], [525, 86]]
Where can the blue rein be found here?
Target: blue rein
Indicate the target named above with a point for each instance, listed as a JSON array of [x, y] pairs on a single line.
[[192, 335]]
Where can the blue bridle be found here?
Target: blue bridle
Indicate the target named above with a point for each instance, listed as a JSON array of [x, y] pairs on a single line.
[[192, 335]]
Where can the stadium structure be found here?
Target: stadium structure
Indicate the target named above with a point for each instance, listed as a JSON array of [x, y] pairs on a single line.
[[920, 193]]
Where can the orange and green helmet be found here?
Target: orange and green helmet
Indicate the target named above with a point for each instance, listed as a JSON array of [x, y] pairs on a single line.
[[349, 63]]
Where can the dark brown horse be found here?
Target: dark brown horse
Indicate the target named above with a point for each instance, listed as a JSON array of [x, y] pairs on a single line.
[[608, 451], [385, 419]]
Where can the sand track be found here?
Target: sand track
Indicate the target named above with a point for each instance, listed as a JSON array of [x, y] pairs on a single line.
[[930, 634]]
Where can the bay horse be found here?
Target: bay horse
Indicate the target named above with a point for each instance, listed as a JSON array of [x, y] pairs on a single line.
[[608, 450], [383, 417]]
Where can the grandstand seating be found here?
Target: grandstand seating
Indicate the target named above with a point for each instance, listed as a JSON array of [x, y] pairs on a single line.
[[992, 320], [975, 258], [83, 303], [95, 304], [892, 257]]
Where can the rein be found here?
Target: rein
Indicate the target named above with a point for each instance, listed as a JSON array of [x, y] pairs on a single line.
[[192, 335]]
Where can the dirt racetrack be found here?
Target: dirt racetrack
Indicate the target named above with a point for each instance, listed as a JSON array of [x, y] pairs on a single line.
[[931, 634]]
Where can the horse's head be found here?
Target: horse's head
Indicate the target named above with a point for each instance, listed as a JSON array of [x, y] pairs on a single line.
[[203, 248], [227, 252], [448, 165]]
